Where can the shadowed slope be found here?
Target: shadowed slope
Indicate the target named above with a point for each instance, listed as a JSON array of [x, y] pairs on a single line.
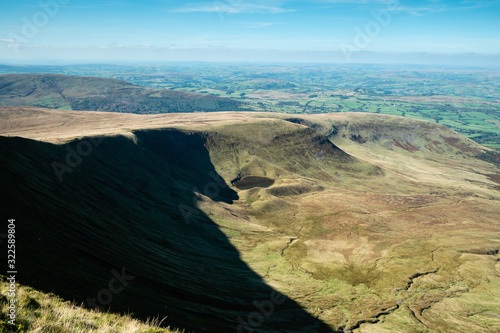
[[130, 204]]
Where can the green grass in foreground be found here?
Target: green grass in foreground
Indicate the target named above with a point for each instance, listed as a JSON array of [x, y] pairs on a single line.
[[39, 312]]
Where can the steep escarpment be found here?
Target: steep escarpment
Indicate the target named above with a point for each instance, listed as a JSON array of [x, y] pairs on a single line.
[[411, 135], [393, 132], [280, 149], [101, 210]]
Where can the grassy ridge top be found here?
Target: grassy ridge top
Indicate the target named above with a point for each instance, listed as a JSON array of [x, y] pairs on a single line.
[[59, 125], [98, 94]]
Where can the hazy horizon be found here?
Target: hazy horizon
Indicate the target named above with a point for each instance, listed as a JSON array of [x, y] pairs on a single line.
[[313, 31]]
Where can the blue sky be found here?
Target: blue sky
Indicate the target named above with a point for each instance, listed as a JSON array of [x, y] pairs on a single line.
[[339, 30]]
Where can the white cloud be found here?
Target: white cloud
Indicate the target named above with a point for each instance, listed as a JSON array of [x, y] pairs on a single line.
[[256, 25], [418, 8], [394, 5], [419, 11], [357, 2], [9, 41], [231, 8]]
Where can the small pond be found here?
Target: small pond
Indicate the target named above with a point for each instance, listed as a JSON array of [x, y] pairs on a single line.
[[249, 182]]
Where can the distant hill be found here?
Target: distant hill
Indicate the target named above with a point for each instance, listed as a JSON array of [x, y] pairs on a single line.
[[98, 94]]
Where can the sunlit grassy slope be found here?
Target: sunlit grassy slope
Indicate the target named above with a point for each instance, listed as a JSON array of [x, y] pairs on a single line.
[[40, 312], [374, 223]]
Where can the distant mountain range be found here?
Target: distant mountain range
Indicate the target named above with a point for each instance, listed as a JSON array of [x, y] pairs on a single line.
[[98, 94]]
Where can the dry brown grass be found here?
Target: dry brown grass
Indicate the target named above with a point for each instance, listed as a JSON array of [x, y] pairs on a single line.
[[44, 313], [60, 126]]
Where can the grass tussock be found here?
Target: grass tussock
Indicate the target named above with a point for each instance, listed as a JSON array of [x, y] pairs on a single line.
[[40, 312], [352, 274]]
